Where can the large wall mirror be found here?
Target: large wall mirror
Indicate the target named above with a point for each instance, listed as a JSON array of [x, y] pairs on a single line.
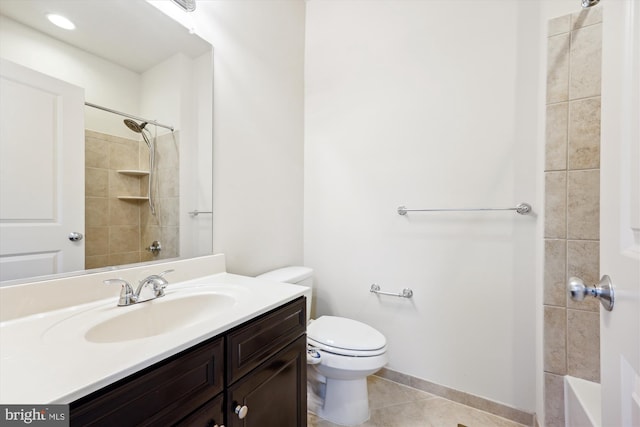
[[139, 191]]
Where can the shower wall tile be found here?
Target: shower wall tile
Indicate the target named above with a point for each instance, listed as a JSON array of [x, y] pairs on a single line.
[[97, 241], [168, 151], [124, 212], [555, 257], [123, 185], [561, 24], [96, 153], [168, 185], [586, 17], [125, 238], [555, 205], [583, 349], [553, 400], [97, 261], [123, 258], [96, 182], [171, 241], [585, 62], [143, 186], [556, 137], [168, 211], [558, 68], [555, 336], [124, 155], [96, 212], [583, 262], [143, 156], [583, 200], [118, 231], [584, 134], [148, 219], [572, 197]]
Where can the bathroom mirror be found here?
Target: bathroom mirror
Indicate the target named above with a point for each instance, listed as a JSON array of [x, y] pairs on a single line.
[[129, 57]]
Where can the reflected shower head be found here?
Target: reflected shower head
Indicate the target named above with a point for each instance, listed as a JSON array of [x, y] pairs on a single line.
[[139, 128], [135, 126], [589, 3]]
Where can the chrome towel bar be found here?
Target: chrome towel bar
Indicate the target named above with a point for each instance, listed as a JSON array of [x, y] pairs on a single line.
[[522, 209], [197, 212], [406, 292]]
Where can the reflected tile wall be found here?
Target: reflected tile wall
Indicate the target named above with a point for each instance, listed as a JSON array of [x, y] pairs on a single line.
[[165, 225], [572, 201], [118, 231]]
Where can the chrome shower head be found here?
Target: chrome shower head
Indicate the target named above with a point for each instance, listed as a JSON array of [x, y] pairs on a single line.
[[589, 3], [135, 126]]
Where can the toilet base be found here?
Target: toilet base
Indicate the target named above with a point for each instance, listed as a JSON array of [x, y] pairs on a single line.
[[346, 402]]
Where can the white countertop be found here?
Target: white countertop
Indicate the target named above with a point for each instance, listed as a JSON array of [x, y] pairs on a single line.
[[43, 362]]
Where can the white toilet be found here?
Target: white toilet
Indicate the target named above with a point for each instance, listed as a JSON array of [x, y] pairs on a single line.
[[349, 352]]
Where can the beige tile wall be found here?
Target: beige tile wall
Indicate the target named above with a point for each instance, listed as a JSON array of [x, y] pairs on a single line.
[[572, 203], [118, 231]]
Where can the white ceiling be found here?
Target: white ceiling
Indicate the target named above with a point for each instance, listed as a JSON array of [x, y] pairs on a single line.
[[130, 33]]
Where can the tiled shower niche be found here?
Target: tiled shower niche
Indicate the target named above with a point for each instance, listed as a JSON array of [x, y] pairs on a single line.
[[118, 231], [572, 203]]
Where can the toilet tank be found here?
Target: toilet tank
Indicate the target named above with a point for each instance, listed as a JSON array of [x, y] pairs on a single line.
[[297, 275]]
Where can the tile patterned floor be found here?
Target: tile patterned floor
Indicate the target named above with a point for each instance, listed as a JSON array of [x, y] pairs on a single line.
[[396, 405]]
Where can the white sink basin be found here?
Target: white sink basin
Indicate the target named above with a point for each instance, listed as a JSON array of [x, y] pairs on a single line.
[[157, 317], [108, 323]]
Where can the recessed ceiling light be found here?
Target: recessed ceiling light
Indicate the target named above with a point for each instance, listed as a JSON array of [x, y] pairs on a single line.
[[61, 21]]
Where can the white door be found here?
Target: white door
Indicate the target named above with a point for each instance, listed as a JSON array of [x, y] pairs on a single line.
[[620, 212], [41, 173]]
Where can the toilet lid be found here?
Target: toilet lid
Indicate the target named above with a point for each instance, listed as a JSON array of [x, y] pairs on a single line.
[[342, 333]]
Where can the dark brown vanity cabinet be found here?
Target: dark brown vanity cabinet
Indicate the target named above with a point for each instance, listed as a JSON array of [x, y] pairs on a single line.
[[258, 367], [267, 370]]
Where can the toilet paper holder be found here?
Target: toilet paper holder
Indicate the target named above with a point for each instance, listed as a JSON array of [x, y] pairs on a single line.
[[406, 292]]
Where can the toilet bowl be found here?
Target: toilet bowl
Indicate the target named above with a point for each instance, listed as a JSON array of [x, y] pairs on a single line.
[[350, 351], [344, 352]]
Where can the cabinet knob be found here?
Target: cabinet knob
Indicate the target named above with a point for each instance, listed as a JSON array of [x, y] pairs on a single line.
[[241, 411]]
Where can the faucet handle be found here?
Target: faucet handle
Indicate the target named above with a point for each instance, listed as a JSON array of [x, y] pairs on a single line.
[[159, 282], [127, 297]]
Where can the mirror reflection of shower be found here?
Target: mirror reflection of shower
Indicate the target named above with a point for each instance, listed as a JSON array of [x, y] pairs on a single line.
[[140, 128]]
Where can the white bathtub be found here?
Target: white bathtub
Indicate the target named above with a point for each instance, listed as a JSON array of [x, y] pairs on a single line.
[[582, 403]]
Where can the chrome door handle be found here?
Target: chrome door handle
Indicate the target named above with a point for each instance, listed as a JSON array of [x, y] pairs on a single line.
[[603, 291], [74, 236]]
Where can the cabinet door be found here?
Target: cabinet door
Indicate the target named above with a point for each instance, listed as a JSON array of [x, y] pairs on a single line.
[[211, 414], [158, 396], [275, 393]]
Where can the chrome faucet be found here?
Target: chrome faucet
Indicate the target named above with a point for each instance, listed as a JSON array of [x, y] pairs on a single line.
[[151, 287]]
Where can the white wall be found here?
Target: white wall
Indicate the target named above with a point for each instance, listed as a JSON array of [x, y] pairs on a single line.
[[104, 82], [257, 130], [427, 104]]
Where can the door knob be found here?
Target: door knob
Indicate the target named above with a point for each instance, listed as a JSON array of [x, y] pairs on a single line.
[[603, 291], [74, 236]]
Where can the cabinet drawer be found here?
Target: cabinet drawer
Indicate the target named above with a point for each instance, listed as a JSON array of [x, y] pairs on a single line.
[[250, 345], [210, 415], [160, 395]]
